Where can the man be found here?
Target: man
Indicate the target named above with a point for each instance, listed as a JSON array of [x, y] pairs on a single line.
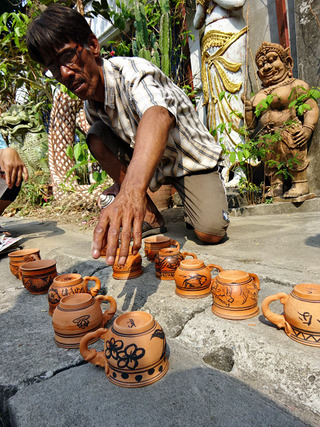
[[13, 170], [145, 132]]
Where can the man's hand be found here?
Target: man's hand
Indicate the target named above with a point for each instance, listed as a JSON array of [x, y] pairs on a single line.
[[301, 136], [13, 167], [127, 211]]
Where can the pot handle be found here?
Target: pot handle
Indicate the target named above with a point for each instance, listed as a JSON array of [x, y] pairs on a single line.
[[185, 254], [216, 266], [97, 286], [255, 279], [175, 244], [277, 319], [90, 354], [108, 314]]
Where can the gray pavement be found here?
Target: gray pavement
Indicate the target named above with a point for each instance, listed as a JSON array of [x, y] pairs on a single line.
[[222, 372]]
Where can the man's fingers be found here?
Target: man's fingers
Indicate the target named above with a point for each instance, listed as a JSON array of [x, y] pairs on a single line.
[[18, 179], [100, 235], [137, 235], [25, 173], [125, 241]]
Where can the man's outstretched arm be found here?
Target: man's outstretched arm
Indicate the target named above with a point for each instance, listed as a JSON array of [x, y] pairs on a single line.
[[129, 207]]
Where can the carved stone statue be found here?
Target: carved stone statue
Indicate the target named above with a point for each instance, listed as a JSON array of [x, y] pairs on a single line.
[[223, 51], [292, 131]]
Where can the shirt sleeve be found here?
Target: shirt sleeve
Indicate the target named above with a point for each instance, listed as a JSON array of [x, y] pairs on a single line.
[[150, 87]]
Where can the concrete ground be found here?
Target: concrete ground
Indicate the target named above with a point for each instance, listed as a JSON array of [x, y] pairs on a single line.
[[222, 372]]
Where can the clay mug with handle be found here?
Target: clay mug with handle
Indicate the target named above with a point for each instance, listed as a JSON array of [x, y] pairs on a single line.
[[167, 261], [153, 244], [301, 317], [17, 258], [68, 284], [235, 294], [78, 314], [193, 278], [134, 352]]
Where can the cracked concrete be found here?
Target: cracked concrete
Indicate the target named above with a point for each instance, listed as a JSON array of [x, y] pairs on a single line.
[[222, 372]]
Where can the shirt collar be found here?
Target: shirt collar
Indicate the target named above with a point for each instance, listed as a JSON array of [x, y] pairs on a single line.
[[109, 84], [109, 87]]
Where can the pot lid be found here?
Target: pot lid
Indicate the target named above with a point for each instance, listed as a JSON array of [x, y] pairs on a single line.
[[189, 264], [38, 265], [23, 252], [76, 301], [233, 276], [157, 239], [68, 279], [309, 291], [134, 322], [168, 251]]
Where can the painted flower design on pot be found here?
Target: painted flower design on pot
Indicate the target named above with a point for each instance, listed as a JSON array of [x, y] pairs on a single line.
[[128, 358], [82, 321], [112, 348]]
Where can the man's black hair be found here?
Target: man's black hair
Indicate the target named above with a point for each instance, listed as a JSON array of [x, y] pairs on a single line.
[[55, 27]]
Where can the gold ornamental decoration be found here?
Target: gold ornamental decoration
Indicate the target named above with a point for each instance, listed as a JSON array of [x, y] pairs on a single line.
[[222, 40]]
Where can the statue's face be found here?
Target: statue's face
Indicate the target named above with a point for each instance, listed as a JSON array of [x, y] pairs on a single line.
[[271, 69]]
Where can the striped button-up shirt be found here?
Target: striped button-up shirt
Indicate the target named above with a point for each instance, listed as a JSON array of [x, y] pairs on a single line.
[[132, 85]]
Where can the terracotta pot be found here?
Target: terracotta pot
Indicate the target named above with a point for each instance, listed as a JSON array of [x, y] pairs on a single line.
[[134, 350], [37, 276], [153, 244], [78, 314], [131, 269], [235, 294], [301, 318], [68, 284], [167, 261], [22, 256], [193, 278]]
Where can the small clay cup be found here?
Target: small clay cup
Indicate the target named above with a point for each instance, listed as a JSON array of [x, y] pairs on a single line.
[[68, 284], [134, 352], [193, 278], [130, 270], [235, 294], [153, 244], [167, 261], [301, 317], [78, 314], [37, 276], [17, 258]]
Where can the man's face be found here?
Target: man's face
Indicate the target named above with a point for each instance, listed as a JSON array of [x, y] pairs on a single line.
[[77, 68], [271, 69]]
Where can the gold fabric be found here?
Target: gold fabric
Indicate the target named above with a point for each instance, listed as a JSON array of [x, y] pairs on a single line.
[[222, 40]]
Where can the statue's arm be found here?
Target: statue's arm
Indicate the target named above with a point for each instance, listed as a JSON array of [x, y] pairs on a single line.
[[230, 4], [249, 116], [310, 117], [200, 15]]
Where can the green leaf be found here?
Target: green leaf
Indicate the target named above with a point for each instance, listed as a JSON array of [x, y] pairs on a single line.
[[232, 157], [69, 152], [222, 95], [77, 152]]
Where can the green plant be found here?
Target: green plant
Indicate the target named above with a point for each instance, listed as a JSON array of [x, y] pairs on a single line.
[[79, 172], [34, 192], [260, 147], [17, 69]]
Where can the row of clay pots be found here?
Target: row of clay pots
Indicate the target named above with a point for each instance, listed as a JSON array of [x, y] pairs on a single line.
[[235, 292], [134, 347], [35, 273]]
